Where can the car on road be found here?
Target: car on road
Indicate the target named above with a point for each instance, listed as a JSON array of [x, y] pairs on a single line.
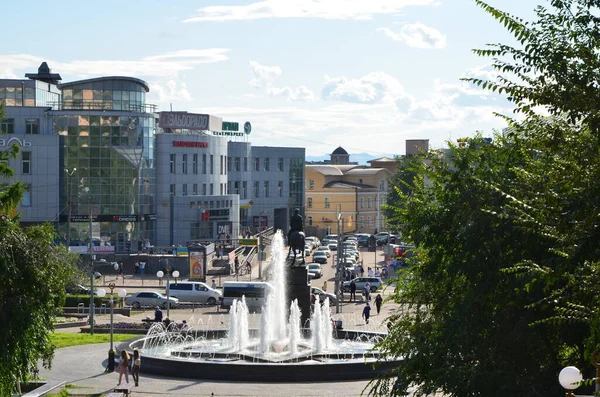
[[363, 240], [360, 282], [320, 257], [316, 269], [150, 298], [333, 246], [193, 291], [313, 241], [325, 249], [322, 295]]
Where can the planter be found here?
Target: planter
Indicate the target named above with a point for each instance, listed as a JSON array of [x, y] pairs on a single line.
[[69, 325], [86, 330], [37, 389]]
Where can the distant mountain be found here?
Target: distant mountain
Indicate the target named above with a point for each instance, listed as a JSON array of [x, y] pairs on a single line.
[[361, 158]]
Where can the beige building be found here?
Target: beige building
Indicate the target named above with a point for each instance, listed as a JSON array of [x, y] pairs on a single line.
[[340, 187]]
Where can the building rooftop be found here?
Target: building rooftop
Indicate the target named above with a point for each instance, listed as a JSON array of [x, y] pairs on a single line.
[[347, 185], [44, 74], [98, 79], [383, 159], [340, 150]]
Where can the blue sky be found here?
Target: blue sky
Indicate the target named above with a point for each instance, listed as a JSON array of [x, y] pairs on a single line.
[[363, 74]]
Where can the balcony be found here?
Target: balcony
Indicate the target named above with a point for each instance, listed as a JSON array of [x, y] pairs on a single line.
[[103, 105]]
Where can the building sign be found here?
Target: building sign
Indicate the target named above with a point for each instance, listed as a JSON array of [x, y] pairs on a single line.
[[14, 140], [248, 241], [219, 214], [230, 126], [247, 127], [197, 260], [190, 121], [223, 229], [190, 144], [102, 249], [181, 251], [100, 218], [260, 221], [227, 133]]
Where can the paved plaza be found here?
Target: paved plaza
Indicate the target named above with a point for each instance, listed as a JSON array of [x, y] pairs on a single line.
[[83, 366]]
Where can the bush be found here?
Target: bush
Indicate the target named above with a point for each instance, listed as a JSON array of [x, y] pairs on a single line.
[[72, 300]]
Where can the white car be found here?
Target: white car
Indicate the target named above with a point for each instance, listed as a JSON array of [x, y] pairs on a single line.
[[316, 269], [150, 298], [320, 257], [333, 245], [313, 241], [324, 249]]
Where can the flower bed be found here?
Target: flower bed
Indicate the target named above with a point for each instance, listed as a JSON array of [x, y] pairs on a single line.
[[121, 328]]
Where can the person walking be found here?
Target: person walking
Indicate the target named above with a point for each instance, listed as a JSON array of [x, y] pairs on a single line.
[[378, 302], [366, 313], [370, 272], [214, 284], [135, 370], [124, 367], [236, 266], [352, 290], [367, 292]]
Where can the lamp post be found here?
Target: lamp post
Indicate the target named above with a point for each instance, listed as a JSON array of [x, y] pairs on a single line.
[[122, 293], [69, 203], [260, 227], [92, 272], [160, 274], [570, 378]]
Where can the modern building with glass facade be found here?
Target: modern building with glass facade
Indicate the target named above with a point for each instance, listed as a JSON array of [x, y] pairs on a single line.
[[97, 164]]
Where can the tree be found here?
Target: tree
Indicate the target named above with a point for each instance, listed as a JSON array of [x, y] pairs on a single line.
[[34, 273], [505, 290]]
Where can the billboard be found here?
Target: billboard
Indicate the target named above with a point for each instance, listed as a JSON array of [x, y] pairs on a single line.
[[190, 121], [197, 260]]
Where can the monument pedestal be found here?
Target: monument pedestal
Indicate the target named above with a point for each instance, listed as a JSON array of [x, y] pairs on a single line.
[[299, 288]]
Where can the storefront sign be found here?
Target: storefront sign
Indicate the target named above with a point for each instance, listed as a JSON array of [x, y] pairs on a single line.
[[231, 126], [184, 120], [222, 213], [226, 133], [101, 218], [190, 144], [102, 249], [13, 141], [260, 221]]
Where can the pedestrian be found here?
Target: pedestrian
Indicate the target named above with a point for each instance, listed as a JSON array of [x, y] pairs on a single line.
[[366, 313], [367, 291], [158, 315], [370, 272], [361, 269], [220, 251], [214, 284], [377, 272], [325, 286], [378, 302], [142, 268], [137, 267], [236, 266], [352, 290], [124, 367], [135, 370], [121, 273]]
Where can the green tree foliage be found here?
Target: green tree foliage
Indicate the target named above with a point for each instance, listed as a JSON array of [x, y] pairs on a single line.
[[402, 183], [34, 273], [10, 194], [505, 290]]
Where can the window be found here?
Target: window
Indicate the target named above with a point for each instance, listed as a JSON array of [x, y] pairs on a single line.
[[256, 164], [184, 164], [204, 189], [256, 189], [237, 163], [309, 220], [26, 197], [244, 190], [212, 189], [327, 202], [311, 184], [267, 164], [32, 126], [221, 189], [212, 164], [361, 221], [8, 126], [195, 189], [382, 185], [185, 189], [204, 164], [172, 189], [280, 164], [280, 188], [172, 164], [368, 202], [245, 163], [26, 163], [229, 164], [368, 221], [236, 187], [221, 165], [225, 162], [362, 202], [266, 188], [309, 202], [195, 164]]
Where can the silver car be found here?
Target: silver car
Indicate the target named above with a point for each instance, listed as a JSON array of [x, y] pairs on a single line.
[[150, 298]]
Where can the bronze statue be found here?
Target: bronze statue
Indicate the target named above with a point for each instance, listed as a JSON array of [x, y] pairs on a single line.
[[296, 234]]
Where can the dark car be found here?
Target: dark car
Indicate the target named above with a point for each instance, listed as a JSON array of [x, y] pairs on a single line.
[[320, 257]]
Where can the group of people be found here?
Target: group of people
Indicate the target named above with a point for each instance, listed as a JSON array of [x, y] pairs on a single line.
[[367, 309], [127, 363]]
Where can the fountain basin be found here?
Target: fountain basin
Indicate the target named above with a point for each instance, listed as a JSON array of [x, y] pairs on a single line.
[[250, 367]]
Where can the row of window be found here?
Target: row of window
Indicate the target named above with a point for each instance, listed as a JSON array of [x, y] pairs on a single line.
[[361, 221], [311, 184], [32, 126], [224, 188], [25, 163], [233, 164], [361, 202], [207, 166]]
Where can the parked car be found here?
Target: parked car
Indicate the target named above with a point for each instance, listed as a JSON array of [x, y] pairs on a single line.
[[333, 246], [316, 269], [322, 295], [191, 291], [360, 282], [313, 241], [363, 240], [150, 298], [325, 249], [320, 257]]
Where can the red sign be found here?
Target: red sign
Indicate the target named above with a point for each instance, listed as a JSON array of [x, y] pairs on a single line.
[[260, 221], [205, 216], [190, 144]]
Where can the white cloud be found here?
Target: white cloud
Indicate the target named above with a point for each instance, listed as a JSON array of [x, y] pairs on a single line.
[[325, 9], [417, 35], [161, 65], [375, 87], [169, 91], [300, 94], [263, 75]]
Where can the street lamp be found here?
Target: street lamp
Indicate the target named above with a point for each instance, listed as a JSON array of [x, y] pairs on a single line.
[[570, 378], [69, 203], [160, 274], [122, 293]]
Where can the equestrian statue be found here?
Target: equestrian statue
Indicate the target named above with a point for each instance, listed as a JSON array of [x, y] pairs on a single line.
[[295, 236]]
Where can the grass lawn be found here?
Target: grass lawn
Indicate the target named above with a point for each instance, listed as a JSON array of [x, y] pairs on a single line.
[[65, 339]]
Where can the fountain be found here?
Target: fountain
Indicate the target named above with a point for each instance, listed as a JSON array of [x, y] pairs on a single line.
[[279, 349]]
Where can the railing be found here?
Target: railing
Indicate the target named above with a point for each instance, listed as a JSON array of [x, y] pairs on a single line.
[[102, 105]]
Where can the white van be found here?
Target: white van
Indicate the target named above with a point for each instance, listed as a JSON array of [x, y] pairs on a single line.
[[256, 293], [191, 291]]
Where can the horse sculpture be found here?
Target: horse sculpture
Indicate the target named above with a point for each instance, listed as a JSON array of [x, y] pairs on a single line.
[[296, 243]]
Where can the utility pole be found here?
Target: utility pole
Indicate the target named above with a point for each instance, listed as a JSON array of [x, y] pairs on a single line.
[[69, 203], [338, 275], [92, 275]]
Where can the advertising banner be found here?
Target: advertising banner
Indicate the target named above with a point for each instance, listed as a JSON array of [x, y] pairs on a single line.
[[197, 258]]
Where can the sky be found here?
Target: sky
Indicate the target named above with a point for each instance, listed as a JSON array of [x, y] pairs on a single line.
[[362, 74]]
